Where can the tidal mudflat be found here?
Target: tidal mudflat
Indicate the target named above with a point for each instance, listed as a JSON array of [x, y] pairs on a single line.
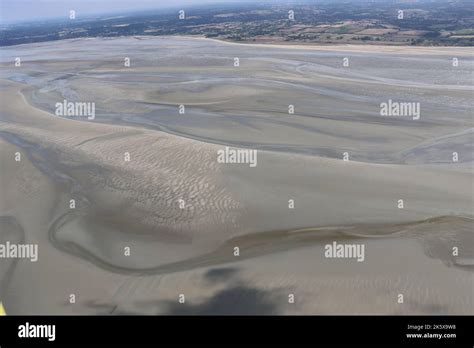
[[131, 208]]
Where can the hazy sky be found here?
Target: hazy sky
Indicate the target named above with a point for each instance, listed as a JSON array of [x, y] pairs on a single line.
[[20, 10]]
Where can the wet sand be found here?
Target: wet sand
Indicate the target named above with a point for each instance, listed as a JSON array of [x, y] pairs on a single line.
[[173, 250]]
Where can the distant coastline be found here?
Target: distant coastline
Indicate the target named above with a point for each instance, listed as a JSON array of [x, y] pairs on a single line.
[[421, 24]]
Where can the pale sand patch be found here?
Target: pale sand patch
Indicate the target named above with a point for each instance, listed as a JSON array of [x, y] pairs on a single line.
[[461, 51]]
